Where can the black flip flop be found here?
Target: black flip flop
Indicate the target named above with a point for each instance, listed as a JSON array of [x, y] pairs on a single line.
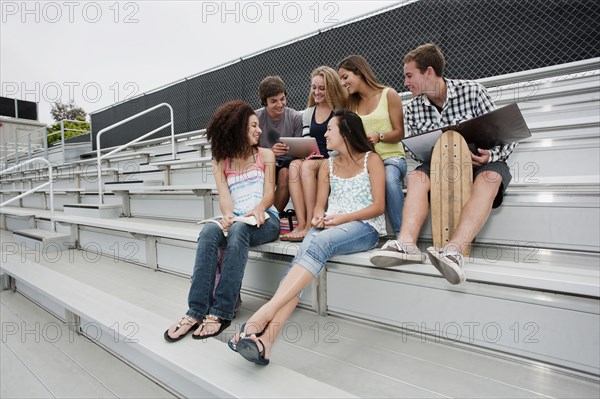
[[168, 338], [232, 346], [230, 343], [249, 351], [224, 325]]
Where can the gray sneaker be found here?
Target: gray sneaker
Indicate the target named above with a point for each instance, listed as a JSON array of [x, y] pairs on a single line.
[[449, 264], [394, 254]]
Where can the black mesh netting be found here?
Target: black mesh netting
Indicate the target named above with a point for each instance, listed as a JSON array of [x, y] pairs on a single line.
[[480, 38]]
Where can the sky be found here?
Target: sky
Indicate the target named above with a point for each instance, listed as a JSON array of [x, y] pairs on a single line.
[[97, 53]]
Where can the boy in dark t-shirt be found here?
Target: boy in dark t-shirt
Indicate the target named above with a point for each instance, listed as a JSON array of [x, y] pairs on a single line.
[[276, 120]]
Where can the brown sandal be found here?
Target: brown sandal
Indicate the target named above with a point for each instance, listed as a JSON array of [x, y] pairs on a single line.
[[291, 237], [185, 321]]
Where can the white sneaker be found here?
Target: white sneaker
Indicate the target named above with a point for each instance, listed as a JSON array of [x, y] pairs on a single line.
[[449, 264], [394, 254]]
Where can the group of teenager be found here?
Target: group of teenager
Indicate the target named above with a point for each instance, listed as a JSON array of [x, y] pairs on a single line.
[[340, 194]]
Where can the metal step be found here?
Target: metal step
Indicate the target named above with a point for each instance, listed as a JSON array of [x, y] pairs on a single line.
[[42, 240], [335, 355], [102, 211]]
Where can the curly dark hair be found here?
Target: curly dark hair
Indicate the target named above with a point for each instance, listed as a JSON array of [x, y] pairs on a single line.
[[228, 130]]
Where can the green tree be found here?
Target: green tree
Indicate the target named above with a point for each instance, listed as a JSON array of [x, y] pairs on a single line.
[[70, 112]]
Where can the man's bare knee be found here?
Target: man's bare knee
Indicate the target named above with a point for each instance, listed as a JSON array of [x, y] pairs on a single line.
[[487, 185], [417, 181], [488, 180]]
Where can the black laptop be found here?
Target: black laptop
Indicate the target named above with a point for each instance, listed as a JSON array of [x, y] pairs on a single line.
[[501, 126]]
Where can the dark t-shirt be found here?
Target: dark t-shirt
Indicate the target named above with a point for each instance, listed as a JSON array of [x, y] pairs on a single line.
[[318, 130], [290, 125]]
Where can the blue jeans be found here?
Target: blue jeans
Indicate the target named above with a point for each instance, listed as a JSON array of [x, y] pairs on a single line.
[[320, 245], [240, 238], [395, 171]]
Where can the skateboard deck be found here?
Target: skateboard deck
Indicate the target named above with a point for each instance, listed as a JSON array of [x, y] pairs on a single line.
[[451, 182]]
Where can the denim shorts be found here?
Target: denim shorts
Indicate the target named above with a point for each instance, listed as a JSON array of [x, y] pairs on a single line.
[[499, 167], [320, 245]]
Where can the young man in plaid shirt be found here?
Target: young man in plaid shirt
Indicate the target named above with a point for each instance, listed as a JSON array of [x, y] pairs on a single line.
[[441, 102]]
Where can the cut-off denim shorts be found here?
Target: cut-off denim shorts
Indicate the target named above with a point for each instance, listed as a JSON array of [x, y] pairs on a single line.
[[320, 245]]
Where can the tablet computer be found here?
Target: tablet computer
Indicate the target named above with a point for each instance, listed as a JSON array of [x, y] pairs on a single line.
[[300, 147]]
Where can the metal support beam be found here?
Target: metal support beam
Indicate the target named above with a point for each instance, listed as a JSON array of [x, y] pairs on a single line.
[[151, 253], [320, 300], [126, 203], [12, 284], [207, 199], [73, 322], [5, 282]]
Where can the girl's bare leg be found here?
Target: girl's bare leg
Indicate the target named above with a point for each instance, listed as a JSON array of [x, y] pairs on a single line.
[[277, 311], [297, 194]]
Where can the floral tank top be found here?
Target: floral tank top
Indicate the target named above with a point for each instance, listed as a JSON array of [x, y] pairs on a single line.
[[353, 194]]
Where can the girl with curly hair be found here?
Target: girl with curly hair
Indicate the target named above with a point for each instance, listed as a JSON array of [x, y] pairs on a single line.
[[245, 179]]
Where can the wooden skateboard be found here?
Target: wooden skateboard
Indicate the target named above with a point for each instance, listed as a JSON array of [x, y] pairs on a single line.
[[451, 182]]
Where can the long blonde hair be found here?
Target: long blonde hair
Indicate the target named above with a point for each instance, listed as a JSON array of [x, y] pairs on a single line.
[[335, 94], [359, 66]]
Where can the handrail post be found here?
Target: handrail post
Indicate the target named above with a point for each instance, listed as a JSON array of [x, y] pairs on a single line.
[[50, 182], [62, 139], [114, 125], [16, 151], [45, 141], [51, 178], [173, 152], [29, 145], [99, 168]]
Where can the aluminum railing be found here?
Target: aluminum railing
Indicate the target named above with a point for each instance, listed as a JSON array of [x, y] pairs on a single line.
[[32, 144], [62, 135], [48, 183], [122, 147], [27, 148]]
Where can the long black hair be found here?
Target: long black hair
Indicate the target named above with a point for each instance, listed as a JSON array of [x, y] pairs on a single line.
[[352, 130]]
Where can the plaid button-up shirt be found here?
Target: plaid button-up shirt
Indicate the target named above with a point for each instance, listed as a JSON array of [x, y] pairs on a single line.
[[464, 100]]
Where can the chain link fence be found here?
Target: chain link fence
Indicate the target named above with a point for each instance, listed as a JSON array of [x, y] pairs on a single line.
[[480, 38]]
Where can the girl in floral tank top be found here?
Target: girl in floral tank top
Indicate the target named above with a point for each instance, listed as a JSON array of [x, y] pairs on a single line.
[[353, 183], [353, 194]]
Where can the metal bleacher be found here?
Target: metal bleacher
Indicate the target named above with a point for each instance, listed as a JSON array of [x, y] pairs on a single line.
[[526, 322]]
